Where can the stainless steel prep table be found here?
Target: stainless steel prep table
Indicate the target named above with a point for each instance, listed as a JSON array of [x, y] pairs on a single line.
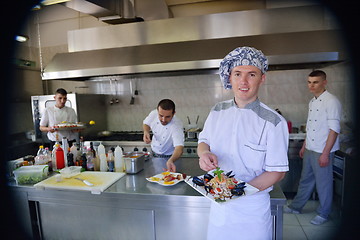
[[132, 208]]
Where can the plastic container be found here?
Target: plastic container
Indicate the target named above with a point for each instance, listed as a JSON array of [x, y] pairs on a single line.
[[119, 163], [102, 157], [41, 157], [69, 172], [31, 174]]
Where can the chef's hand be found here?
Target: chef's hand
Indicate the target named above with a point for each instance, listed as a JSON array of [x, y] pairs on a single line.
[[208, 161], [323, 160], [147, 138], [51, 129], [170, 166]]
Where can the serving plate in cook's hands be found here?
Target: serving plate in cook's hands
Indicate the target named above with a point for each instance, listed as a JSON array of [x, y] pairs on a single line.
[[249, 190]]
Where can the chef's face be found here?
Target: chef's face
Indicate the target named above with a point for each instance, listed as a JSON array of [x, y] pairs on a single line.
[[316, 85], [60, 100], [165, 116], [245, 81]]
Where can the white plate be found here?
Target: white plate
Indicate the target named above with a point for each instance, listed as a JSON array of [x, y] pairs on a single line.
[[249, 190], [161, 182]]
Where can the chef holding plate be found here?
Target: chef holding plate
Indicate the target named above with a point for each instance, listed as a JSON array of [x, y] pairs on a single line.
[[247, 137], [57, 114]]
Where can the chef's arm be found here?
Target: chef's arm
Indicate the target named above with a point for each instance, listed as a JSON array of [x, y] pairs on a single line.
[[146, 137], [207, 160], [177, 153], [266, 179], [46, 129], [330, 141], [175, 156]]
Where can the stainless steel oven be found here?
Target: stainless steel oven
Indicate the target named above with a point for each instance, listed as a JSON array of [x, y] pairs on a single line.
[[87, 107]]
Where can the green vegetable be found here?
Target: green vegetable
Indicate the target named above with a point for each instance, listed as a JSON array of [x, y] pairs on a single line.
[[218, 173]]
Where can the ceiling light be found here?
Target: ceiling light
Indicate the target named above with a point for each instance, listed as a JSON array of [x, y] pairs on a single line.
[[51, 2], [21, 38]]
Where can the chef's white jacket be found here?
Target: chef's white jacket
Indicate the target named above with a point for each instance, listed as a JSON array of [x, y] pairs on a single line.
[[54, 115], [247, 141], [165, 138], [324, 114]]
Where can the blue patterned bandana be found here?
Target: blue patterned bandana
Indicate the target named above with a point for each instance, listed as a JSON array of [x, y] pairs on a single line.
[[242, 56]]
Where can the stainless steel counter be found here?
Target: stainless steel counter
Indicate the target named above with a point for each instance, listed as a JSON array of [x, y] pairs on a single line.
[[132, 208]]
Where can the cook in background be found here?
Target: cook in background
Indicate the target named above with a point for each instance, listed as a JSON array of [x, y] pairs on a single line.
[[56, 114], [247, 137], [167, 142], [322, 130]]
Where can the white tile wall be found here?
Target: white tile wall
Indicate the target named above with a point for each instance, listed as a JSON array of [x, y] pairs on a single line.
[[196, 94]]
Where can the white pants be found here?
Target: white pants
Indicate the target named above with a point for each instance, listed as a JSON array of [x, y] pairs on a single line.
[[247, 217]]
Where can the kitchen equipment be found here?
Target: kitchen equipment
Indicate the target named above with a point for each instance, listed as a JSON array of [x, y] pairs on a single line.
[[31, 174], [100, 180], [134, 144], [87, 107], [69, 172], [134, 162], [85, 181]]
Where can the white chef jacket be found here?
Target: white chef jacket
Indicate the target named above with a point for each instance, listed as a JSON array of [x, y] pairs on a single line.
[[324, 114], [54, 115], [247, 141], [165, 138]]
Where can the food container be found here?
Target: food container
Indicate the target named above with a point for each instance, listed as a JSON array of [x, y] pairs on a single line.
[[69, 172], [31, 174], [134, 162]]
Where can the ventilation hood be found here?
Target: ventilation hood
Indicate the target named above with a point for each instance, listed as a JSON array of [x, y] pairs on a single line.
[[288, 36]]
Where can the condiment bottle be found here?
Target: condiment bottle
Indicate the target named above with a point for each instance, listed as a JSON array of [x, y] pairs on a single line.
[[102, 156], [70, 159], [74, 150], [65, 146], [89, 160], [59, 153], [48, 158], [110, 160], [40, 156], [119, 164]]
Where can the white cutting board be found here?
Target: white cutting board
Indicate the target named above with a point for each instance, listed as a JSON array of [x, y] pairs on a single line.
[[101, 181]]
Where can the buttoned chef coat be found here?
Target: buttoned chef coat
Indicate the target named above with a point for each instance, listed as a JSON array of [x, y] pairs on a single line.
[[54, 115], [247, 141], [165, 138], [324, 114]]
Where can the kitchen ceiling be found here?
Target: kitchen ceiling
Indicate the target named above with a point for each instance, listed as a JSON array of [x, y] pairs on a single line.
[[183, 35]]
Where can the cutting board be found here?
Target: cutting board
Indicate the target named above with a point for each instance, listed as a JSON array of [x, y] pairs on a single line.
[[101, 181]]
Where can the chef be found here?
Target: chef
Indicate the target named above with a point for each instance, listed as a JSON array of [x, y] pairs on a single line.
[[245, 136], [167, 142], [56, 114]]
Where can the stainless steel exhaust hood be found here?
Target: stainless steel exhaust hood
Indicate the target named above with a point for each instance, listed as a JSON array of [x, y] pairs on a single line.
[[287, 35]]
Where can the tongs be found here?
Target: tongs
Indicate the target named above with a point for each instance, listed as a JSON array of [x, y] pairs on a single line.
[[85, 181]]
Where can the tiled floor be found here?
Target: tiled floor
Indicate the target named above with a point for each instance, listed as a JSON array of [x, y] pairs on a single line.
[[298, 226]]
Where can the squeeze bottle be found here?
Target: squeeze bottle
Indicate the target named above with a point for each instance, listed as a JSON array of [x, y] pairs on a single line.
[[102, 156], [65, 146], [60, 161], [119, 165]]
